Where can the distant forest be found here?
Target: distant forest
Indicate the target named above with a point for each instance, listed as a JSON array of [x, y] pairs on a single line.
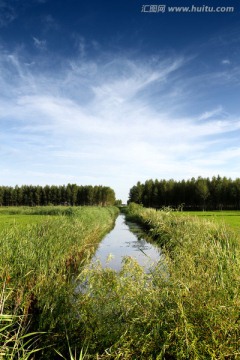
[[218, 193], [72, 194]]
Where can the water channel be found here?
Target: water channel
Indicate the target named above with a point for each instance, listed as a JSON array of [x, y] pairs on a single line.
[[126, 239]]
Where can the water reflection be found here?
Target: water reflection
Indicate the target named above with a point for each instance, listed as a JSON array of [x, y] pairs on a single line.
[[126, 239]]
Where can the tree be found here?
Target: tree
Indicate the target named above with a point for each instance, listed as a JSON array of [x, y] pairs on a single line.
[[135, 193], [202, 191]]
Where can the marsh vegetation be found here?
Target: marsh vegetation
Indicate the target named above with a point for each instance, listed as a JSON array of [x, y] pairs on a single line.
[[39, 262], [186, 307]]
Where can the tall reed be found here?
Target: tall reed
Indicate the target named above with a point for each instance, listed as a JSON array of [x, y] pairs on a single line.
[[185, 308], [38, 265]]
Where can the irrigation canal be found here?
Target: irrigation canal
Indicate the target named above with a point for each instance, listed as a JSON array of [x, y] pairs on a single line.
[[126, 239]]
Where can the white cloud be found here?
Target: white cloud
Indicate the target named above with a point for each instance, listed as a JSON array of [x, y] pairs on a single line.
[[39, 44], [80, 43], [7, 14], [211, 114], [107, 122], [226, 62], [49, 23]]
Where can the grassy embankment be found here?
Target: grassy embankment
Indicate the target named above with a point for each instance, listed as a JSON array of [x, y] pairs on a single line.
[[186, 308], [41, 252]]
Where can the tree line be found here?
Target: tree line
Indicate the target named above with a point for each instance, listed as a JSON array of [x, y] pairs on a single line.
[[217, 193], [72, 194]]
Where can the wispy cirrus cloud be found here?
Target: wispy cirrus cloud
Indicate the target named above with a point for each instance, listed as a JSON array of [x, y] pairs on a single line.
[[111, 121], [226, 62], [212, 113], [49, 23], [7, 13], [39, 44]]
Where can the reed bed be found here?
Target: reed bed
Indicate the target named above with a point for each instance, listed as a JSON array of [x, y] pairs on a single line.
[[38, 266], [185, 308]]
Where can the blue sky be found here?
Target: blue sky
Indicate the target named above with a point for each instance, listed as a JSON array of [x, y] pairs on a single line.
[[100, 92]]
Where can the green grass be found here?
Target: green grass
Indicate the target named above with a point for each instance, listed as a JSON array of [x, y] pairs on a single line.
[[187, 307], [25, 215], [230, 218], [40, 256], [7, 221]]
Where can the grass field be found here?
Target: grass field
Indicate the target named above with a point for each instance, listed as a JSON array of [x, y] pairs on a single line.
[[23, 216], [231, 218], [8, 221]]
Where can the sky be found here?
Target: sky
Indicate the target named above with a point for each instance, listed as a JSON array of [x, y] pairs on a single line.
[[114, 92]]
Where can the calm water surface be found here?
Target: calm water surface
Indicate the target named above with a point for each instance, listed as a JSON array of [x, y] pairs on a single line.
[[126, 239]]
